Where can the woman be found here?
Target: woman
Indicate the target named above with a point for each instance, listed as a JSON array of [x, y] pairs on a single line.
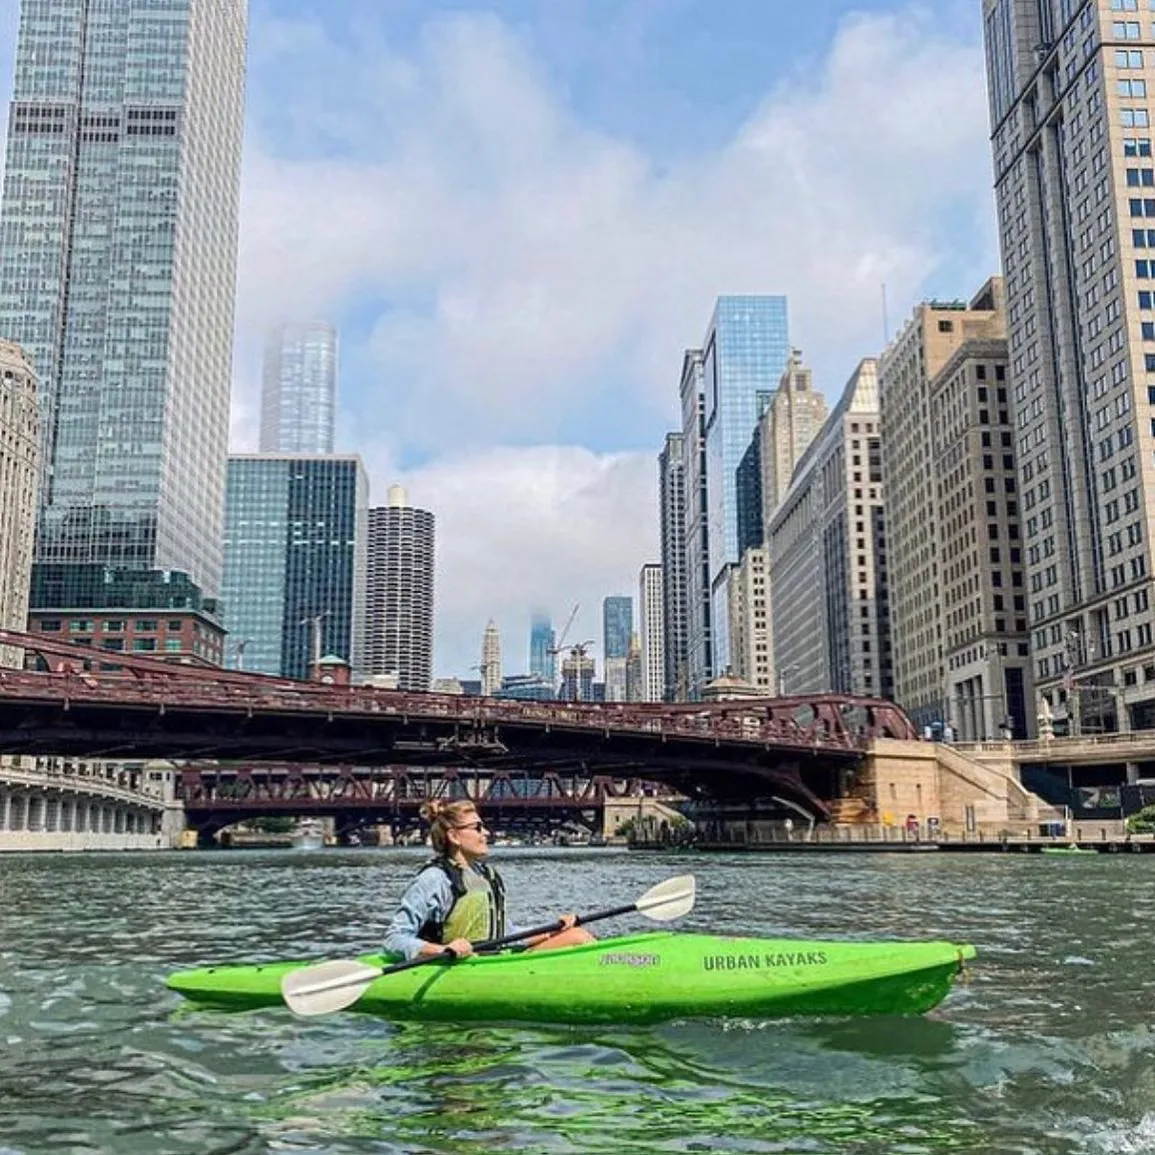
[[457, 899]]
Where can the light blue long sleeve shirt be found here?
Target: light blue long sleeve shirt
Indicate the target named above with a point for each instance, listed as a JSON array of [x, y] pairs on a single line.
[[428, 896]]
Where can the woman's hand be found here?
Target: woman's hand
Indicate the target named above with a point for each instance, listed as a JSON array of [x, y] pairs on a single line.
[[568, 921], [461, 947]]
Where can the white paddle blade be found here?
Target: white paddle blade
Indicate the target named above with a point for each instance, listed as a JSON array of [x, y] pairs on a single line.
[[328, 986], [668, 900]]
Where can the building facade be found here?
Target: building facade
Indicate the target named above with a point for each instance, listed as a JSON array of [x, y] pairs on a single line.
[[652, 633], [149, 613], [19, 485], [577, 678], [296, 535], [828, 557], [399, 600], [791, 422], [744, 354], [617, 626], [118, 240], [985, 636], [1075, 191], [914, 537], [490, 664], [542, 648], [699, 629], [299, 389], [751, 626], [672, 540]]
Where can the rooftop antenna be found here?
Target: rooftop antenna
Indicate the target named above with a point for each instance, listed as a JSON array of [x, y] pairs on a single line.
[[885, 319]]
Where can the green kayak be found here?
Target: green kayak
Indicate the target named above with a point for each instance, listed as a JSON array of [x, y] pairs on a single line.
[[1068, 850], [642, 978]]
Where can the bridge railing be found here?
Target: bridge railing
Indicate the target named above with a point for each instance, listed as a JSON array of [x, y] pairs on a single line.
[[80, 674], [771, 722]]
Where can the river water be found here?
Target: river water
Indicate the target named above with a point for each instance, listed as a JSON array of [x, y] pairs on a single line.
[[1048, 1046]]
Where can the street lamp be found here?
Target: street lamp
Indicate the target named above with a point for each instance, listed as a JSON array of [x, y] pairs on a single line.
[[791, 669]]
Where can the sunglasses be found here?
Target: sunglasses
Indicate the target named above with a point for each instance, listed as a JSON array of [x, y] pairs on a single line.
[[477, 826]]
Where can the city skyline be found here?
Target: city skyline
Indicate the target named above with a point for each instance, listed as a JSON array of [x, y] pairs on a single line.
[[711, 159]]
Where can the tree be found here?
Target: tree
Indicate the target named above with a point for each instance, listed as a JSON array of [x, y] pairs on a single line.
[[1142, 821]]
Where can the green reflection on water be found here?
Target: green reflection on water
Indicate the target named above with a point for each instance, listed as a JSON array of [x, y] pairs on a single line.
[[434, 1089]]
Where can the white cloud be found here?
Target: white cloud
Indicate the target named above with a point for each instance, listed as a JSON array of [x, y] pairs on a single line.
[[517, 261], [522, 528]]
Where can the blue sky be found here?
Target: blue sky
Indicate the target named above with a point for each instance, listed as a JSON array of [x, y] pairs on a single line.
[[519, 212]]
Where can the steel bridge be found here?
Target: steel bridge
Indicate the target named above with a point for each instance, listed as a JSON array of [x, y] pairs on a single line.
[[113, 705], [217, 796]]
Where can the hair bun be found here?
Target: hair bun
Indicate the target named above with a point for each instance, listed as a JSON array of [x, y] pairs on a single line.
[[432, 809]]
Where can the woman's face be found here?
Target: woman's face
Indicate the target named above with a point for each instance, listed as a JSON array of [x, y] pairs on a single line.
[[468, 834]]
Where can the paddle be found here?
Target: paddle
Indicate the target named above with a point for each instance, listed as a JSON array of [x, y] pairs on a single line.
[[333, 986]]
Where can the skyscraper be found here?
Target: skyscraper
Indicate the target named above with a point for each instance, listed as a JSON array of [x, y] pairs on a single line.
[[672, 538], [299, 389], [912, 483], [399, 593], [699, 638], [118, 237], [617, 626], [542, 659], [652, 639], [295, 561], [789, 425], [1075, 189], [828, 557], [490, 665], [743, 356]]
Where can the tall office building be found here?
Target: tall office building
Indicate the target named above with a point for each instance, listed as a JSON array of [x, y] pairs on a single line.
[[118, 240], [987, 669], [490, 665], [617, 629], [299, 389], [542, 658], [914, 536], [295, 560], [699, 632], [751, 626], [19, 484], [399, 593], [789, 425], [617, 626], [744, 354], [1070, 113], [828, 556], [652, 633], [672, 539]]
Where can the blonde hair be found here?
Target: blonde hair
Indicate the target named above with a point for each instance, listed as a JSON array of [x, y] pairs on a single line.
[[442, 817]]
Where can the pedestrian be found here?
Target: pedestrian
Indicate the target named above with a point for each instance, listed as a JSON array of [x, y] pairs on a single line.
[[457, 899]]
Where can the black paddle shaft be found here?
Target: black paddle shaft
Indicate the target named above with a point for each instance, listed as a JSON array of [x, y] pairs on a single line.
[[505, 940]]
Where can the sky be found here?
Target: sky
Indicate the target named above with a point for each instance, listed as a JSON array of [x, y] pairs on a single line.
[[519, 213]]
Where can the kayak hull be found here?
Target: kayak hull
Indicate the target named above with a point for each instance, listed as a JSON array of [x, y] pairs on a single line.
[[642, 978]]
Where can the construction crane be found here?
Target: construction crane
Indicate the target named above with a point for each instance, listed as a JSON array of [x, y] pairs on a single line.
[[577, 651], [560, 644]]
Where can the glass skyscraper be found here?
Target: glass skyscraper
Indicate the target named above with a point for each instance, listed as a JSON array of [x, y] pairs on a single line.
[[617, 626], [299, 389], [746, 350], [296, 530], [542, 660], [118, 237]]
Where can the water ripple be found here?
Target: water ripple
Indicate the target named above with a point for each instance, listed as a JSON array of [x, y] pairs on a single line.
[[1045, 1048]]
